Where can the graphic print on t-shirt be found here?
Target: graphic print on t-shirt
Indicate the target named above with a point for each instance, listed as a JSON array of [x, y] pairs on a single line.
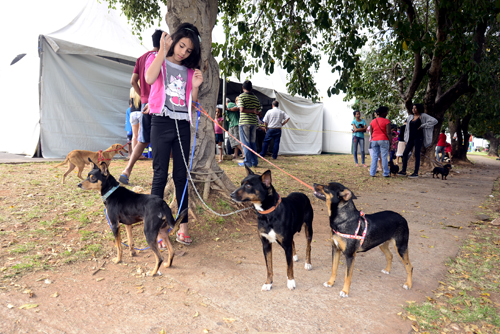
[[176, 90]]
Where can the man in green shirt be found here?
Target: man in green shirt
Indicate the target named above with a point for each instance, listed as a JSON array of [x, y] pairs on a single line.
[[250, 107], [233, 118]]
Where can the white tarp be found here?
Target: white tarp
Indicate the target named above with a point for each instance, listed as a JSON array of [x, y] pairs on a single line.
[[303, 132], [84, 100], [21, 116]]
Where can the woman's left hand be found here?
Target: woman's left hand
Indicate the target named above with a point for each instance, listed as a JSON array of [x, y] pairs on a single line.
[[197, 78]]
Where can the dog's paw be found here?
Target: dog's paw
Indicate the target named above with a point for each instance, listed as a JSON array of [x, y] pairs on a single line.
[[385, 271], [290, 284], [117, 260], [343, 294], [157, 273], [267, 287], [406, 287], [326, 285], [296, 258], [308, 266]]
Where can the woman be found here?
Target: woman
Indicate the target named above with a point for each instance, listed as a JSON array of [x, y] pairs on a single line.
[[380, 129], [358, 137], [418, 132]]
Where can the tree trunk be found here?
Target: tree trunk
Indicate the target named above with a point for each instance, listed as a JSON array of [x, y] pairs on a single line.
[[460, 145], [494, 142], [205, 170]]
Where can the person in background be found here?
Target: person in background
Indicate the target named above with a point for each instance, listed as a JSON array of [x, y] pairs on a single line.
[[370, 149], [219, 137], [401, 143], [142, 88], [250, 109], [440, 147], [358, 137], [419, 127], [380, 129], [394, 144], [273, 122], [128, 128], [135, 117], [447, 151], [233, 118]]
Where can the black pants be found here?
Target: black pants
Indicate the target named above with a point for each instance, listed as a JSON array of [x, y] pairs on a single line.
[[417, 143], [164, 139]]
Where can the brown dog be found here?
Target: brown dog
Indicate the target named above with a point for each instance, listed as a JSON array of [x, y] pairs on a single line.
[[80, 158]]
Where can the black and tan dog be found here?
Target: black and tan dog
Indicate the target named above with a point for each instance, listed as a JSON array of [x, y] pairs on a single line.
[[353, 233], [127, 207], [278, 220], [444, 171]]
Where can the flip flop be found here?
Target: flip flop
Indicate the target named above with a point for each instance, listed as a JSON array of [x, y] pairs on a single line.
[[184, 238], [162, 245], [123, 179]]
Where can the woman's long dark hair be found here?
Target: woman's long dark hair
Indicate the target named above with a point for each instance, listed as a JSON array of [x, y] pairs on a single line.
[[189, 31], [420, 108]]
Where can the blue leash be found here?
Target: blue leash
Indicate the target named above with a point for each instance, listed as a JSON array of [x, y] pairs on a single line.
[[185, 187]]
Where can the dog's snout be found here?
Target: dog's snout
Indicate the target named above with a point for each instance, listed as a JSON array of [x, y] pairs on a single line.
[[79, 185]]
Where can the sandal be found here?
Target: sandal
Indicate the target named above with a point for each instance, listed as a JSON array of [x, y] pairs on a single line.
[[161, 244], [184, 237], [123, 179]]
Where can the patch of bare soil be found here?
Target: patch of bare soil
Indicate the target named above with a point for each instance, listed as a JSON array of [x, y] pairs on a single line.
[[214, 284]]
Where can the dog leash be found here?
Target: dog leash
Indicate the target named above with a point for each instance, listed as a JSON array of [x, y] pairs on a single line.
[[355, 235]]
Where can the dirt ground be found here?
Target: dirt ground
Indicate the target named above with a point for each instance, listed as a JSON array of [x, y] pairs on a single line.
[[214, 284]]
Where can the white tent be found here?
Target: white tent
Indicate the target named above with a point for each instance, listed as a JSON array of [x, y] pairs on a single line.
[[303, 132], [76, 94]]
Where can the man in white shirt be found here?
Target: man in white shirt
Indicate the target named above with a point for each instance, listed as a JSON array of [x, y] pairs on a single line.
[[274, 120]]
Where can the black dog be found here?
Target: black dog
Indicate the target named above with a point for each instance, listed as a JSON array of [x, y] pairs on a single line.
[[377, 229], [127, 207], [444, 171], [393, 169], [278, 220]]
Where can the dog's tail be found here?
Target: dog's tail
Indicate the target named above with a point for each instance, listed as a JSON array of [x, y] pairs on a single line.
[[168, 219], [62, 163]]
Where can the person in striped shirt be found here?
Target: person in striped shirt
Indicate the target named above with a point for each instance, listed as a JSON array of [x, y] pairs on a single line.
[[250, 107]]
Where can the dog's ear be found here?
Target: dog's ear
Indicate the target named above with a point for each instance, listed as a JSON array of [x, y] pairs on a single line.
[[266, 178], [249, 171], [346, 195], [94, 166], [104, 168]]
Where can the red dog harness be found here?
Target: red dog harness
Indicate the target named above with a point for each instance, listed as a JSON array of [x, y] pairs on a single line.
[[355, 235]]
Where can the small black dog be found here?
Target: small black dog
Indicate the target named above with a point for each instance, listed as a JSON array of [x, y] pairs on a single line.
[[377, 229], [444, 171], [393, 169], [127, 207], [278, 220]]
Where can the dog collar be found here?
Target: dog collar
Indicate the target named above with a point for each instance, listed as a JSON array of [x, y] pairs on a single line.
[[265, 212], [109, 193], [355, 235]]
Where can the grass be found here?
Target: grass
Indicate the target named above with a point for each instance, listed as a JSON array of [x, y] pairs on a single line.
[[467, 300]]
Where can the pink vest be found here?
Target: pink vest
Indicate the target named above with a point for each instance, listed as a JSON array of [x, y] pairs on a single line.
[[157, 92]]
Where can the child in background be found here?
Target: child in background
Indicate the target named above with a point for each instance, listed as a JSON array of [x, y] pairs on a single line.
[[401, 143], [128, 128], [219, 137]]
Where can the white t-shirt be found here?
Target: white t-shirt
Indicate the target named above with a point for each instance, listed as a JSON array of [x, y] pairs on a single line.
[[275, 118]]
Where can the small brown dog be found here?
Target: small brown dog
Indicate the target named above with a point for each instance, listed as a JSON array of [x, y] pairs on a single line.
[[80, 158]]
